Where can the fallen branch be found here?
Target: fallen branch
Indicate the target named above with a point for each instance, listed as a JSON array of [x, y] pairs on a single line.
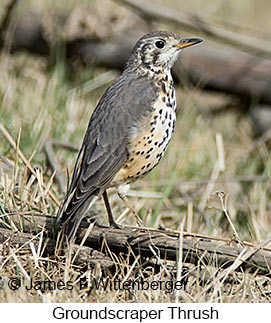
[[197, 249], [85, 255], [221, 69], [195, 23]]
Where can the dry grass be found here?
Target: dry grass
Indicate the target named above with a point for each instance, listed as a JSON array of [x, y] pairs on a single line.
[[207, 154]]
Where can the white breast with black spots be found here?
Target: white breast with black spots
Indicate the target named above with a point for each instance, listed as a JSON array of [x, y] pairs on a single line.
[[149, 145], [163, 123], [150, 138]]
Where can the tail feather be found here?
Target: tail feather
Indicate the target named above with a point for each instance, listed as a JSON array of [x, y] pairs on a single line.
[[70, 218]]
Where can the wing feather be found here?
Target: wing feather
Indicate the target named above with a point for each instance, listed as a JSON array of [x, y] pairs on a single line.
[[104, 148]]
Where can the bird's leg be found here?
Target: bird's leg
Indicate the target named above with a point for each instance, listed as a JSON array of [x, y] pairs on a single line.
[[122, 190], [111, 220]]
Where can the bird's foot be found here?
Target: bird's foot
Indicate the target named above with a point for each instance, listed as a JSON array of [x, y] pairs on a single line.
[[115, 225]]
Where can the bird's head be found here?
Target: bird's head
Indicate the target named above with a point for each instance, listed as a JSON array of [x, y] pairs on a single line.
[[158, 50]]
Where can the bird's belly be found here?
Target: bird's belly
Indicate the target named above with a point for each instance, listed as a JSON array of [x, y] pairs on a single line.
[[149, 144]]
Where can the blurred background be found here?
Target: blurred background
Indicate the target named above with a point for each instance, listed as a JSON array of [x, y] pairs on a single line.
[[57, 59]]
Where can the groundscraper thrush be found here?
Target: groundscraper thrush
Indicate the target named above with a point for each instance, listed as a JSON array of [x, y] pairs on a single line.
[[129, 131]]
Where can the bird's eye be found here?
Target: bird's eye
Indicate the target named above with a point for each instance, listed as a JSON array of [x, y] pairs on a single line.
[[160, 44]]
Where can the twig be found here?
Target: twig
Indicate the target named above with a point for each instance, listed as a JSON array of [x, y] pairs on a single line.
[[244, 255], [223, 200], [7, 17], [209, 187], [180, 258], [64, 145], [60, 178], [216, 282], [6, 162]]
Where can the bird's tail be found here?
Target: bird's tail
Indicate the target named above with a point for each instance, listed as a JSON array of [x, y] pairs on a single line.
[[72, 212]]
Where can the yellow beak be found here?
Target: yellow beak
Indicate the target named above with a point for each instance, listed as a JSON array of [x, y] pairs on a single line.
[[189, 42]]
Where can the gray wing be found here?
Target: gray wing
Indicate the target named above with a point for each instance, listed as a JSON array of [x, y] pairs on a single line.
[[104, 148]]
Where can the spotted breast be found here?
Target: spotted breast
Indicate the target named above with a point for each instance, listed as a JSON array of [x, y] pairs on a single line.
[[149, 140]]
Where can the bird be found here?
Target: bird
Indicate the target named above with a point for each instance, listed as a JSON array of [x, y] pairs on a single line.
[[129, 130]]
